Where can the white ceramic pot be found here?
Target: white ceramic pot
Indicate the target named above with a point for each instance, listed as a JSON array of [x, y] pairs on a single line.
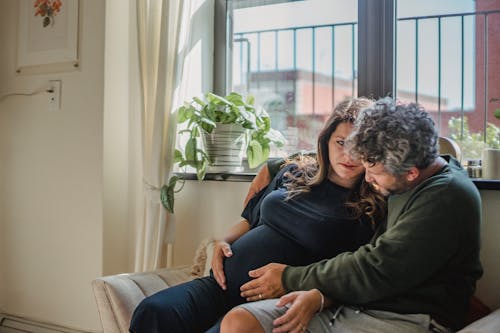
[[225, 147]]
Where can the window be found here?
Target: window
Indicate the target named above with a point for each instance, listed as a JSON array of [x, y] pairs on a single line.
[[446, 54], [299, 58]]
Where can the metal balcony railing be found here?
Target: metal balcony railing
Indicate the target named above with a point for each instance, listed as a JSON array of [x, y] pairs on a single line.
[[248, 50]]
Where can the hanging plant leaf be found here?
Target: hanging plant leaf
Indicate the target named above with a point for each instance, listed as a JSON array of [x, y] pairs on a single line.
[[178, 156], [497, 113], [190, 149], [254, 154], [167, 197]]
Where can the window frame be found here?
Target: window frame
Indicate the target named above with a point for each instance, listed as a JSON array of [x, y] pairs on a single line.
[[375, 39]]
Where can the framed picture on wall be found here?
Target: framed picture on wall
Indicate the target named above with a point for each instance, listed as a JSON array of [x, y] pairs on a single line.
[[47, 35]]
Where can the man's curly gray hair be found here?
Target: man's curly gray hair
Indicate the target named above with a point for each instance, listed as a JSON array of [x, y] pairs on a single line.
[[399, 136]]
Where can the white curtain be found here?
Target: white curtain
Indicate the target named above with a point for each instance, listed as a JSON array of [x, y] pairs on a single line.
[[158, 30]]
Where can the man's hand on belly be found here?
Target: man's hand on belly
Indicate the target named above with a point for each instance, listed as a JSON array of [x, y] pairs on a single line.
[[266, 283]]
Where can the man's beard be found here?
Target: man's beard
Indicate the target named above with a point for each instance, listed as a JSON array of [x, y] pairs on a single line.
[[401, 186]]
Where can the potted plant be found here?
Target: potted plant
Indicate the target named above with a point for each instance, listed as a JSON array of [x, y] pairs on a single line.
[[242, 126]]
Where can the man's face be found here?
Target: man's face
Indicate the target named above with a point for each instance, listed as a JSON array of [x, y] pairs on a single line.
[[383, 181]]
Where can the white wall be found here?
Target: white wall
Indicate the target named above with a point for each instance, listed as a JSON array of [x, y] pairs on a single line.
[[2, 231], [51, 173], [4, 57], [203, 210], [488, 290]]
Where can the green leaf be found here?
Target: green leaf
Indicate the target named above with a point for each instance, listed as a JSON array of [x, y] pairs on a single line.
[[236, 99], [211, 97], [208, 127], [255, 154], [497, 113], [208, 112], [190, 149], [266, 122], [199, 101], [201, 169], [167, 196], [181, 115], [276, 137], [184, 113], [250, 119], [177, 156], [250, 100], [173, 180], [208, 122]]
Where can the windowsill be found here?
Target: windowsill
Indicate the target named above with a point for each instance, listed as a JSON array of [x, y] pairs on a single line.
[[221, 176], [481, 184], [487, 184]]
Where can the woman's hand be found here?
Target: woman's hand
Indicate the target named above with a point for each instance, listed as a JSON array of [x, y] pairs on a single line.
[[303, 305], [222, 250]]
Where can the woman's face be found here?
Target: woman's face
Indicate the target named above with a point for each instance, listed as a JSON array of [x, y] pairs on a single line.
[[344, 170]]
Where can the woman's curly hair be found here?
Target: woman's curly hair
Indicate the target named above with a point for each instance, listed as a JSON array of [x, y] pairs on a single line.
[[312, 171]]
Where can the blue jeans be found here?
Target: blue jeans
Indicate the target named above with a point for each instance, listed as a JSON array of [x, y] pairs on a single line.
[[194, 306]]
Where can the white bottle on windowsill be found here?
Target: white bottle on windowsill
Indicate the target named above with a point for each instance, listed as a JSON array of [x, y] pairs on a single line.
[[491, 163]]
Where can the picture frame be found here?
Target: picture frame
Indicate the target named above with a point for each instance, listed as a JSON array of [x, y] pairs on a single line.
[[47, 36]]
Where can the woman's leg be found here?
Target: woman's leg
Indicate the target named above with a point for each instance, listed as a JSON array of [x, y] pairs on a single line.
[[241, 321], [190, 307]]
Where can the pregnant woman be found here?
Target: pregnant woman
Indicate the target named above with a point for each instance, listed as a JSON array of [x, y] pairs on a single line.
[[313, 209]]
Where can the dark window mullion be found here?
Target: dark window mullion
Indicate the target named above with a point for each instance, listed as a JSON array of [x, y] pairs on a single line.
[[375, 47]]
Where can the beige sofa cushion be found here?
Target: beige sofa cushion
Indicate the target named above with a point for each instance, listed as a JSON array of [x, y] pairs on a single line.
[[118, 295], [488, 324]]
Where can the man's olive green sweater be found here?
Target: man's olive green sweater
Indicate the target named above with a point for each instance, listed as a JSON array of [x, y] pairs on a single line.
[[424, 260]]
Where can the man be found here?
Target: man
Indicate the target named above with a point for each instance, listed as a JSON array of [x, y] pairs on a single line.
[[420, 269]]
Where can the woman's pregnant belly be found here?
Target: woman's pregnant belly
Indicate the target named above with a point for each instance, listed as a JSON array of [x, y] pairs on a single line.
[[256, 248]]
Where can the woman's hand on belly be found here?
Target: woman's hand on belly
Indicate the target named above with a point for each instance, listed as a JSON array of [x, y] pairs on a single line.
[[222, 250]]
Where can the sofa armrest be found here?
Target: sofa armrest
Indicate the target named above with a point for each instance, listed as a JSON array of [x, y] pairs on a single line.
[[488, 324], [118, 295]]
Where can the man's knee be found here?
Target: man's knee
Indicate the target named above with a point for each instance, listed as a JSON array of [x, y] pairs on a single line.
[[241, 321]]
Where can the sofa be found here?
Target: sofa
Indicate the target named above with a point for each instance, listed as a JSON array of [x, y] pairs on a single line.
[[118, 295]]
